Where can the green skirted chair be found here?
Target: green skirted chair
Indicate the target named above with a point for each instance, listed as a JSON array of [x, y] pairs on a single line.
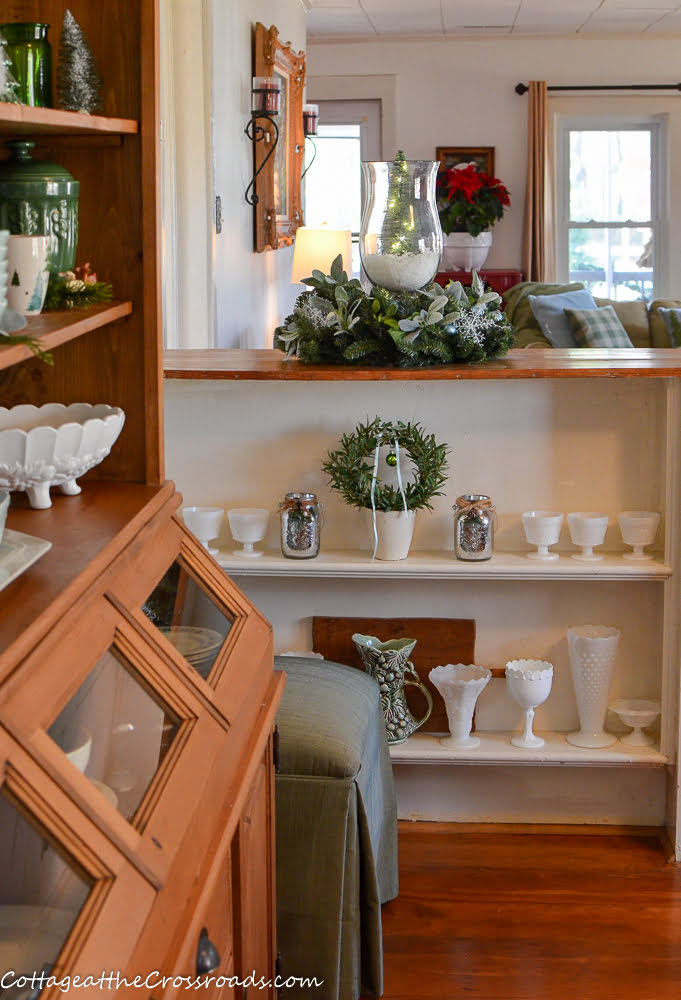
[[336, 829]]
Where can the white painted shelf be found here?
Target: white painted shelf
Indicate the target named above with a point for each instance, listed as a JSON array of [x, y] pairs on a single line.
[[496, 748], [442, 565]]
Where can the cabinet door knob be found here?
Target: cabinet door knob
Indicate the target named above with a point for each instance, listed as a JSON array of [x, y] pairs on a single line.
[[207, 955]]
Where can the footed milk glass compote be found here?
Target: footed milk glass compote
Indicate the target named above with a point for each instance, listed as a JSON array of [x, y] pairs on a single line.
[[587, 528], [460, 685], [542, 528], [638, 528], [205, 523], [529, 683], [248, 525], [637, 713]]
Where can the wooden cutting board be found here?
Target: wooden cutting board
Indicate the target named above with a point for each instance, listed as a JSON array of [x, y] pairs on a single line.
[[439, 641]]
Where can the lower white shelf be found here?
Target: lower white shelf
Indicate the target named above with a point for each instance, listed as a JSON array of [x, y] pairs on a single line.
[[496, 748], [442, 565]]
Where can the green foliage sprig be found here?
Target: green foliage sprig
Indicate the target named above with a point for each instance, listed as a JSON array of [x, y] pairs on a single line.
[[7, 339], [337, 322], [350, 467], [76, 289]]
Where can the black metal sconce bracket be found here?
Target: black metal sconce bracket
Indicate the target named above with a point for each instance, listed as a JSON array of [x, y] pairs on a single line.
[[256, 133]]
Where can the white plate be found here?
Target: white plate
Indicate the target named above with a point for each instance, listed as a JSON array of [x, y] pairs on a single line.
[[17, 552]]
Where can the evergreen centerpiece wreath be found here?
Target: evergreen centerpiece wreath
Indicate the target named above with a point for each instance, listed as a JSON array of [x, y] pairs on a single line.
[[337, 322], [353, 467]]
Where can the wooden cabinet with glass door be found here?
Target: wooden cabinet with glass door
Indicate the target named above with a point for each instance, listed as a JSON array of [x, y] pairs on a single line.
[[137, 691]]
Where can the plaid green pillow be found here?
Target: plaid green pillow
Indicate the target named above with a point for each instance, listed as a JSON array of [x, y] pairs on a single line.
[[597, 328]]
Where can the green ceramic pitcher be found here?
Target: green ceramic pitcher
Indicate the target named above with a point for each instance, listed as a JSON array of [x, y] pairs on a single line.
[[388, 662]]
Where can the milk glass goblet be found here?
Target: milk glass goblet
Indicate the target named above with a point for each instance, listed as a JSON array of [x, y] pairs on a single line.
[[542, 528], [205, 523], [638, 528], [248, 525], [529, 683], [587, 528]]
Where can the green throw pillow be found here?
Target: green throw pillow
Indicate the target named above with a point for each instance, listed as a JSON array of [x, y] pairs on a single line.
[[597, 328]]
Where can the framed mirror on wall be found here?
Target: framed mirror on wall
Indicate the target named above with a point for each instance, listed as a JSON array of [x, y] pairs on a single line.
[[278, 209]]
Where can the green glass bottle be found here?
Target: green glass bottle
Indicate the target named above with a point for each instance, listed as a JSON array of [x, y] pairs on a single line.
[[39, 198], [31, 56]]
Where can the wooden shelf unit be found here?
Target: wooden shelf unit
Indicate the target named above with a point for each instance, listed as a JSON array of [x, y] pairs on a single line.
[[184, 856]]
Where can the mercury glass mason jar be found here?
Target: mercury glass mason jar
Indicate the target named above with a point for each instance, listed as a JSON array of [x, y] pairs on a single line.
[[400, 239]]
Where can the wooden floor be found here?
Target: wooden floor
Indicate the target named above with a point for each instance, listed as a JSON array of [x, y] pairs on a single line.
[[532, 916]]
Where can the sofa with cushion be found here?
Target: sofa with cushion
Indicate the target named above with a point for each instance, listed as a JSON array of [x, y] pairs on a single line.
[[555, 315]]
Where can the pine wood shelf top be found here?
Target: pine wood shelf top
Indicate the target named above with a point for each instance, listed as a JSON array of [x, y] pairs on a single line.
[[55, 328], [20, 120], [264, 365], [86, 532]]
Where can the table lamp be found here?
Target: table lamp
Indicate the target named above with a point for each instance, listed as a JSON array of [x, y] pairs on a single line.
[[318, 248]]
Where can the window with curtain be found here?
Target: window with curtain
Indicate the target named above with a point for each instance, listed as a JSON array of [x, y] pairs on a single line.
[[610, 191]]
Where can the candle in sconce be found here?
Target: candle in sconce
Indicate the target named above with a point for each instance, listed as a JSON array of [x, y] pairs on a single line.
[[266, 95], [310, 119]]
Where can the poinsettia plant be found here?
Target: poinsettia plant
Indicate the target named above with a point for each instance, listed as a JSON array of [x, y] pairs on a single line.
[[469, 200]]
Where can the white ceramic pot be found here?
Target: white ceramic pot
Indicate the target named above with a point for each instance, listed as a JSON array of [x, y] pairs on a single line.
[[395, 530], [28, 273], [463, 252]]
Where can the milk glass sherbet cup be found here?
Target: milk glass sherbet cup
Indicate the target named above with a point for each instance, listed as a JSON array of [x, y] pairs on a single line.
[[204, 522], [637, 713], [542, 528], [248, 525], [587, 528], [638, 528]]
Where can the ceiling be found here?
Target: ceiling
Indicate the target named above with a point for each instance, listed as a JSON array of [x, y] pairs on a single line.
[[369, 20]]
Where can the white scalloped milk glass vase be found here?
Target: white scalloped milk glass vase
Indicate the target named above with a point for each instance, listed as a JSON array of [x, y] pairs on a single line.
[[460, 685], [529, 684], [593, 650]]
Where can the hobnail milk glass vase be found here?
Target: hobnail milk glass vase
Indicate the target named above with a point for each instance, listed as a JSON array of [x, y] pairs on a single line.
[[593, 649], [400, 239], [460, 685]]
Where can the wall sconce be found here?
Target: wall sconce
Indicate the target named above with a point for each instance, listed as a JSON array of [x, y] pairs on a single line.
[[265, 103], [310, 128], [317, 249]]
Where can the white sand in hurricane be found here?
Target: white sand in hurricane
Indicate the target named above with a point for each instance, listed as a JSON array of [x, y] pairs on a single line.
[[402, 272]]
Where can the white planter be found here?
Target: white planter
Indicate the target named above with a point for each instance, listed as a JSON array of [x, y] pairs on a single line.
[[395, 530], [463, 252]]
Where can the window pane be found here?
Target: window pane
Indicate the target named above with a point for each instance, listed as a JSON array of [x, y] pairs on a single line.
[[188, 617], [115, 732], [41, 894], [333, 184], [613, 263], [610, 176]]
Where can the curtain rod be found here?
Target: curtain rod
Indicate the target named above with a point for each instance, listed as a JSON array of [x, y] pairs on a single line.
[[522, 88]]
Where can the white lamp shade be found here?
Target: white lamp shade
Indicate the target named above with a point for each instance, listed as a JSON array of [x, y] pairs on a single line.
[[318, 248]]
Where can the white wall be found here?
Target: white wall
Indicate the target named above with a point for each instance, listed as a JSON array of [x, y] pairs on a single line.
[[460, 93], [253, 290]]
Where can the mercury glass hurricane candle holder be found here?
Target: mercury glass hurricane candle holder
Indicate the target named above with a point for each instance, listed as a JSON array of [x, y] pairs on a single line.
[[637, 713], [542, 528], [529, 684], [587, 529], [638, 528], [248, 525]]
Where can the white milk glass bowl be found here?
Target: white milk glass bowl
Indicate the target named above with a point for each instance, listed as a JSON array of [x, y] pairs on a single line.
[[205, 523], [248, 525], [542, 528], [637, 713], [587, 529], [639, 528], [460, 684], [529, 684]]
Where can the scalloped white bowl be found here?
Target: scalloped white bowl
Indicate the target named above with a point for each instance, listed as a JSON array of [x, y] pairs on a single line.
[[52, 445]]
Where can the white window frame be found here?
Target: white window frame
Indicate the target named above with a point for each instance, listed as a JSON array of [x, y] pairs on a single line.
[[657, 126]]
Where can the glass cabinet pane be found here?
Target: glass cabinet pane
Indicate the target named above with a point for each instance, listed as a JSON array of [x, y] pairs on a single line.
[[116, 731], [188, 617], [41, 894]]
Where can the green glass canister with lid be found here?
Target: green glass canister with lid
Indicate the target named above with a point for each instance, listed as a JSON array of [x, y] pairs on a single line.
[[39, 198]]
